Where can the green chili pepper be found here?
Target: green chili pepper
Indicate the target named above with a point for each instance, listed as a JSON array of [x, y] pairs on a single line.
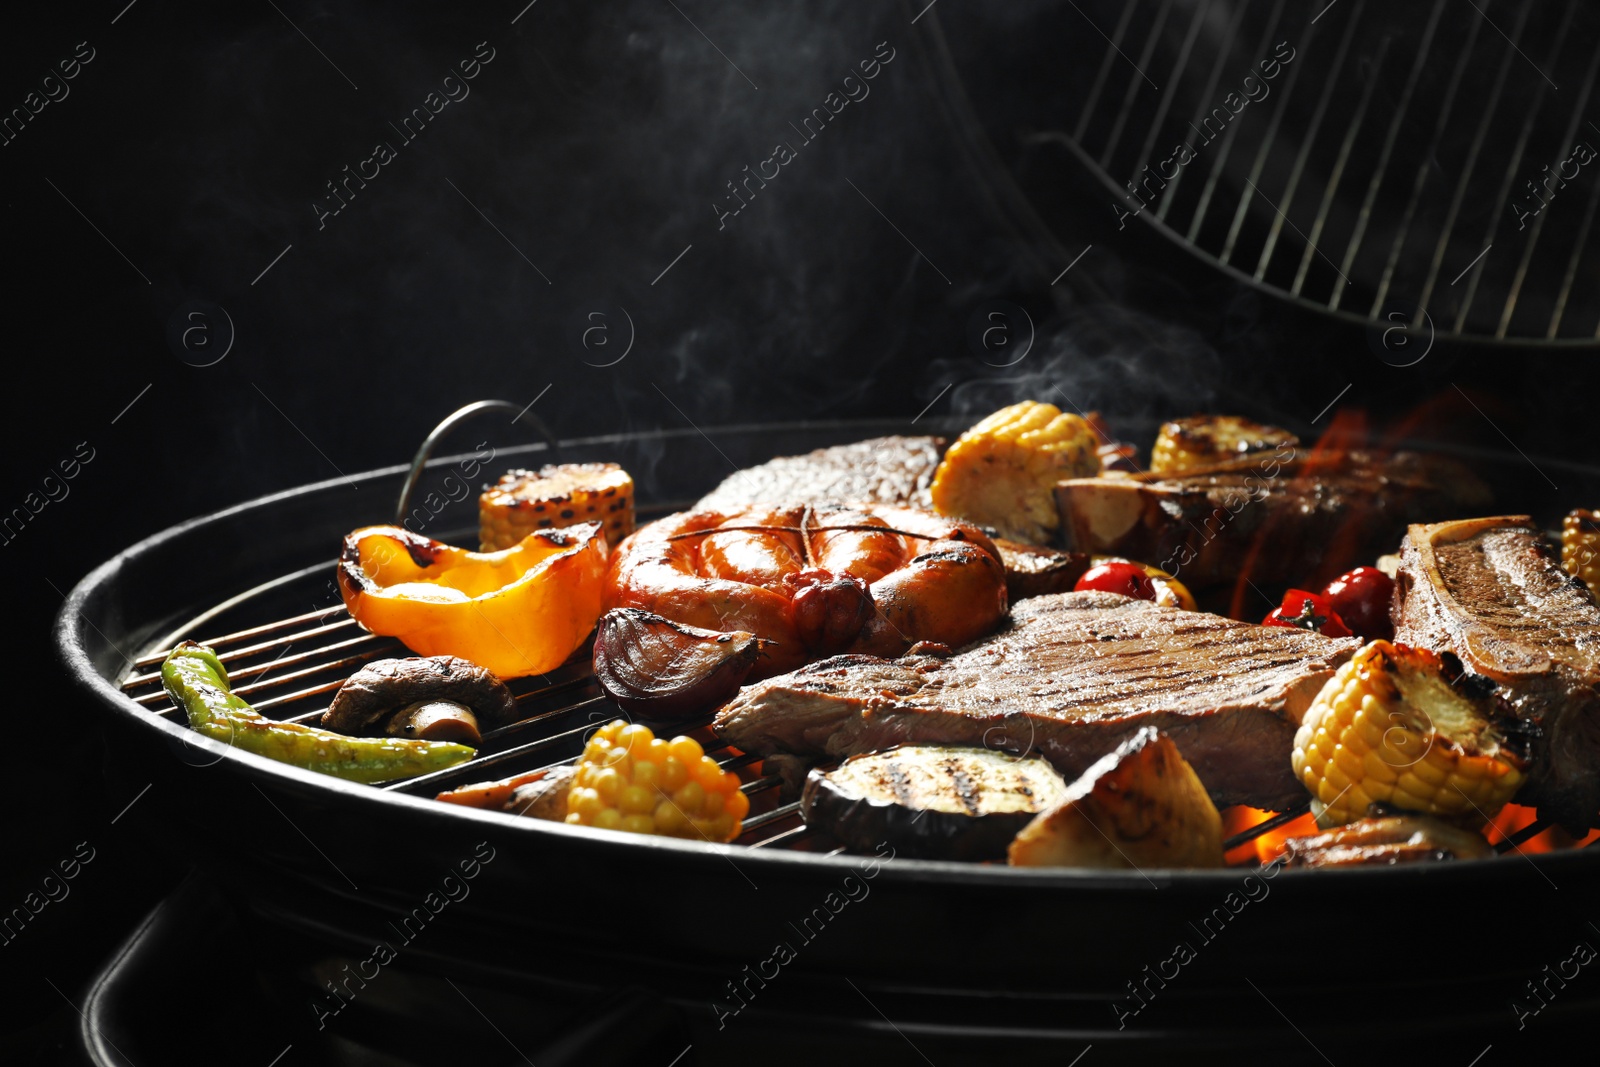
[[197, 682]]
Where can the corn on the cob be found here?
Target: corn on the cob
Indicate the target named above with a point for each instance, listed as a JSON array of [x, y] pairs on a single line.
[[523, 501], [1002, 472], [1387, 728], [1580, 547], [629, 779], [1200, 440]]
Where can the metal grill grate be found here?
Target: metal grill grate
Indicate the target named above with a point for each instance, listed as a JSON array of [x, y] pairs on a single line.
[[1409, 159], [289, 668]]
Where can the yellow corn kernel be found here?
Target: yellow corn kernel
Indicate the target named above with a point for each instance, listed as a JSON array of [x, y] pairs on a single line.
[[1002, 472], [1387, 728], [1580, 547]]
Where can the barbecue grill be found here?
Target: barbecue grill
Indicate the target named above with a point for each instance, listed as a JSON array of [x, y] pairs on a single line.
[[959, 957]]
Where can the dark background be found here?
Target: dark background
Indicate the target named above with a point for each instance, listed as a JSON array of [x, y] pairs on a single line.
[[189, 154]]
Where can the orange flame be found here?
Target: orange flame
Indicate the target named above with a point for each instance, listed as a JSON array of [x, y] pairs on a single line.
[[1514, 817], [1265, 848]]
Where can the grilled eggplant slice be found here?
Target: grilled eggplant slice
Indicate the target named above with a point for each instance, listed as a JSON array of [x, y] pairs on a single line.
[[1140, 806], [930, 802]]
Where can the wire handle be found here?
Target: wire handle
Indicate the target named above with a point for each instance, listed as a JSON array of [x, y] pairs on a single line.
[[456, 418]]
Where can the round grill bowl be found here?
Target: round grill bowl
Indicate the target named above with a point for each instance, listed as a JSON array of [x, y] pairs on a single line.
[[950, 952]]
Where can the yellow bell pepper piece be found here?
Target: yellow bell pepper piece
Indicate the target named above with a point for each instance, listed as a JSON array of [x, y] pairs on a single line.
[[522, 610]]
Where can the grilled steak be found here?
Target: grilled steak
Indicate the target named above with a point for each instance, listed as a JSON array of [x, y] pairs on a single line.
[[1491, 591], [1289, 516], [1073, 676], [882, 470]]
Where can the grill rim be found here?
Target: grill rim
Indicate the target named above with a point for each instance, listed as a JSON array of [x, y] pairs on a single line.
[[73, 622]]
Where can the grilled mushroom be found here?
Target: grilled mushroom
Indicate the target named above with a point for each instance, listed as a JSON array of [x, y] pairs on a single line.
[[437, 698]]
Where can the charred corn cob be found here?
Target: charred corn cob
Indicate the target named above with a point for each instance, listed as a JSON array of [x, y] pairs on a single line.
[[523, 501], [1201, 440], [1002, 472], [1387, 728], [1580, 547], [629, 779]]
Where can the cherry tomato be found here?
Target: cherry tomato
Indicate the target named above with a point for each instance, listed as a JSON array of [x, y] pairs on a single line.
[[1361, 598], [1129, 579], [1307, 611]]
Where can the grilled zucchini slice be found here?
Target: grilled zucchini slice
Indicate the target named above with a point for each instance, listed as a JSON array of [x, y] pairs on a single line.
[[930, 802]]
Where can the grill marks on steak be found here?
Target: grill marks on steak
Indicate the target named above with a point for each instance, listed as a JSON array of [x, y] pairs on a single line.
[[1492, 592], [881, 470], [1073, 676]]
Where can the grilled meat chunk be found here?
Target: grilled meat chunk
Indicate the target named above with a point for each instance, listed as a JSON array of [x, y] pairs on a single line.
[[881, 470], [1492, 592], [1289, 515], [1033, 570], [1073, 676]]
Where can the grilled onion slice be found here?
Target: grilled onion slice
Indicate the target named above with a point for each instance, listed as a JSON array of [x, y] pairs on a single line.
[[930, 802], [667, 670]]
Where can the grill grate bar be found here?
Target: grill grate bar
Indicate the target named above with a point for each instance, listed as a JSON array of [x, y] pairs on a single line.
[[1582, 243], [790, 836], [1247, 194], [1310, 137], [1336, 175], [1206, 95], [1092, 104], [1539, 219], [780, 812], [1227, 139], [1174, 79], [154, 659], [1447, 231], [1523, 836], [1364, 215], [1135, 84], [1506, 182], [1283, 818]]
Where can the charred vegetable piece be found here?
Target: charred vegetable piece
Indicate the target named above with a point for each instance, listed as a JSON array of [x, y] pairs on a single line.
[[629, 779], [197, 682], [1580, 547], [668, 670], [1003, 471], [438, 698], [1386, 841], [1033, 570], [1140, 806], [930, 802], [1389, 728], [545, 798], [1307, 611], [565, 494], [1202, 440], [519, 611], [1361, 599]]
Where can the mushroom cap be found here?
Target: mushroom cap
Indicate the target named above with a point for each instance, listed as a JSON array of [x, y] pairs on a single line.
[[381, 688]]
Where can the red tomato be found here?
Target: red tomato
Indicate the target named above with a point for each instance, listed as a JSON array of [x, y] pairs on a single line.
[[1307, 611], [1129, 579], [1361, 597]]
